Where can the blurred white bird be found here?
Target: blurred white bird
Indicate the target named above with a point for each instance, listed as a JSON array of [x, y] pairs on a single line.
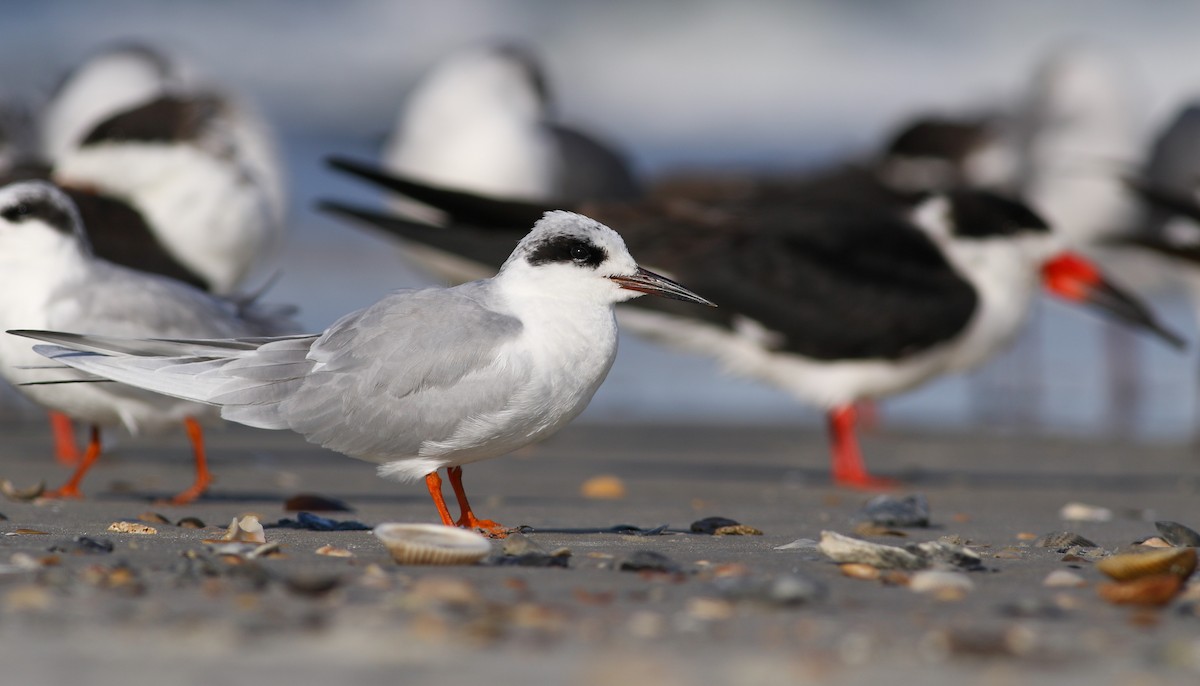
[[49, 278], [481, 121], [422, 379]]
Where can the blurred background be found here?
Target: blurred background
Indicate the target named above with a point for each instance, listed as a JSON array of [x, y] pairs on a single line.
[[682, 86]]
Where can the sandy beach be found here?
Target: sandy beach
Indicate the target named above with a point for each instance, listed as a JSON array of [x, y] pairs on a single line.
[[727, 609]]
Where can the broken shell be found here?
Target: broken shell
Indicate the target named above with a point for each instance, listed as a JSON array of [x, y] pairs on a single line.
[[1154, 590], [1178, 534], [1063, 539], [131, 528], [432, 544], [887, 511], [190, 523], [1180, 562], [331, 551], [245, 530], [22, 494], [1154, 542], [841, 549]]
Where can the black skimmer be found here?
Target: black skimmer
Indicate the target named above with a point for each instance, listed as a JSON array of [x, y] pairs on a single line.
[[482, 120], [53, 280], [834, 305]]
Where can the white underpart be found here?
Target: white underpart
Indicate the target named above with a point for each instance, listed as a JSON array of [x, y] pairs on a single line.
[[1081, 126], [476, 123], [210, 213]]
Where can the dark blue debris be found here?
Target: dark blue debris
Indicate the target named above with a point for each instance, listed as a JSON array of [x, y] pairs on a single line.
[[311, 522]]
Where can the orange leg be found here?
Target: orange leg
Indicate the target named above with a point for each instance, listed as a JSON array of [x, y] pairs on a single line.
[[66, 451], [434, 483], [203, 477], [71, 488], [849, 470], [467, 519]]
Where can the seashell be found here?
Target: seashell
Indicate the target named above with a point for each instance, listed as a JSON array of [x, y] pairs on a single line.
[[1082, 512], [1063, 539], [332, 551], [190, 523], [843, 549], [1180, 562], [131, 528], [1178, 534], [22, 494], [937, 553], [432, 544], [245, 530], [1153, 590], [1154, 542], [875, 530]]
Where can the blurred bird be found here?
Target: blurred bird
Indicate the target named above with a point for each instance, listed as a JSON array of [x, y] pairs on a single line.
[[196, 164], [833, 305], [170, 175], [482, 120], [51, 279], [422, 379]]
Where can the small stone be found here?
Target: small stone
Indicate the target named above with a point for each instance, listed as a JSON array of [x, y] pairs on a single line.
[[153, 518], [649, 561], [190, 523], [314, 503], [331, 551], [1063, 539], [887, 510], [942, 585], [1026, 536], [603, 487], [82, 545], [710, 609], [1009, 553], [1082, 512], [842, 549], [1178, 534], [131, 528], [1063, 578], [857, 570]]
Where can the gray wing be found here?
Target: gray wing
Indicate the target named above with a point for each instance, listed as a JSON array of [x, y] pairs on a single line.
[[414, 368], [120, 302]]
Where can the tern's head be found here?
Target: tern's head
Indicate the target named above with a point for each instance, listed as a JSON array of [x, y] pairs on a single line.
[[572, 255], [35, 215], [1001, 245]]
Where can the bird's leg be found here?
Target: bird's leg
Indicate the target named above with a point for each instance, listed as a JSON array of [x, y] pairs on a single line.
[[66, 450], [434, 483], [203, 477], [849, 470], [466, 518], [71, 488]]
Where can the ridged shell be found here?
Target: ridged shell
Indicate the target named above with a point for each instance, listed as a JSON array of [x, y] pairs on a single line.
[[1180, 562], [432, 544]]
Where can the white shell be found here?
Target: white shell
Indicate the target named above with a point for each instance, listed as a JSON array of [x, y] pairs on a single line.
[[432, 544]]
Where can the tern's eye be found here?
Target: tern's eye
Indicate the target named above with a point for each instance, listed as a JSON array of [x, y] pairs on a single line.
[[16, 212], [580, 253]]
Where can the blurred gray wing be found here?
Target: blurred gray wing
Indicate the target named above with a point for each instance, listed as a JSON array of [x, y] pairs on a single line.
[[414, 368]]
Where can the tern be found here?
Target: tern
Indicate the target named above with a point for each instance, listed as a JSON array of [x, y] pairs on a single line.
[[834, 305], [423, 379], [50, 278]]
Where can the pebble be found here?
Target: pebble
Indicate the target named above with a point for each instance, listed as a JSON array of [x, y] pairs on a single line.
[[649, 561], [943, 585], [1063, 578], [333, 551], [131, 528], [887, 510], [1082, 512], [603, 487], [857, 570]]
